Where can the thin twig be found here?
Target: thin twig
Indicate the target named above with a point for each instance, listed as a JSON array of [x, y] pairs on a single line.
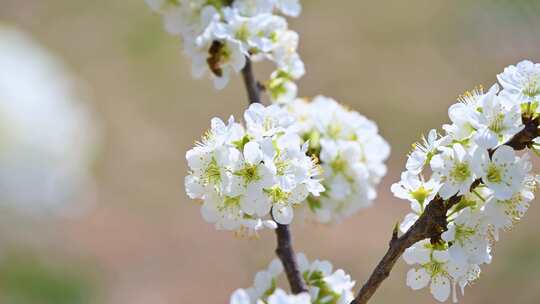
[[432, 222], [284, 248], [252, 87]]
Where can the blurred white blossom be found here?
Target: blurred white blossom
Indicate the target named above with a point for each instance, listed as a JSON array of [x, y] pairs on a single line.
[[47, 135]]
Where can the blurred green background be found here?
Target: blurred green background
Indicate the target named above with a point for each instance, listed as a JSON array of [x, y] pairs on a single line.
[[401, 63]]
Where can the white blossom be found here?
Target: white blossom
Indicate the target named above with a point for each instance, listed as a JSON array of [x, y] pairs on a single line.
[[219, 58], [503, 172], [437, 269], [265, 281], [249, 177], [454, 169], [502, 214], [280, 297], [324, 284], [219, 35], [497, 122], [423, 152], [488, 184], [254, 7], [433, 270], [48, 134], [350, 151], [416, 190], [267, 121], [286, 56], [289, 7], [522, 80], [240, 296], [468, 233]]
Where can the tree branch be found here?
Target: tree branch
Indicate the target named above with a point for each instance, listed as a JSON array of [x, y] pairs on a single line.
[[284, 248], [286, 254], [432, 223], [252, 87]]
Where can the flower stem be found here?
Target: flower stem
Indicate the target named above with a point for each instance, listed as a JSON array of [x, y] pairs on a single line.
[[252, 87]]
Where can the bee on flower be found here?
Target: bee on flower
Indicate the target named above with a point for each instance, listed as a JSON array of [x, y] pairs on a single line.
[[219, 36]]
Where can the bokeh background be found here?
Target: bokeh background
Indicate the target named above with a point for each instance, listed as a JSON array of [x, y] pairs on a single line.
[[401, 63]]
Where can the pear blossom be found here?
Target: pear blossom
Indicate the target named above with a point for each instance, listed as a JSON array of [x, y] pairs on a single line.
[[265, 281], [503, 172], [522, 80], [319, 156], [408, 221], [280, 297], [325, 285], [460, 114], [289, 7], [497, 122], [423, 152], [285, 54], [49, 135], [219, 36], [468, 233], [252, 32], [350, 152], [219, 58], [433, 270], [416, 190], [254, 7], [502, 214], [490, 185], [251, 177], [454, 168], [240, 296], [281, 87], [255, 176], [267, 121], [437, 269]]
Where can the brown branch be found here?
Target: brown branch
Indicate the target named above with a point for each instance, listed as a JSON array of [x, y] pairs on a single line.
[[284, 248], [252, 87], [286, 254], [432, 222]]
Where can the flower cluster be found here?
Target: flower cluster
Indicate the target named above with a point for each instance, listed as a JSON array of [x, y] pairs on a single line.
[[240, 296], [325, 285], [218, 36], [350, 151], [474, 165], [244, 174], [48, 135]]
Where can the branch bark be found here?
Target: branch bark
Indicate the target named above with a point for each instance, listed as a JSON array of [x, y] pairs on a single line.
[[432, 222], [252, 87], [287, 256], [284, 248]]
